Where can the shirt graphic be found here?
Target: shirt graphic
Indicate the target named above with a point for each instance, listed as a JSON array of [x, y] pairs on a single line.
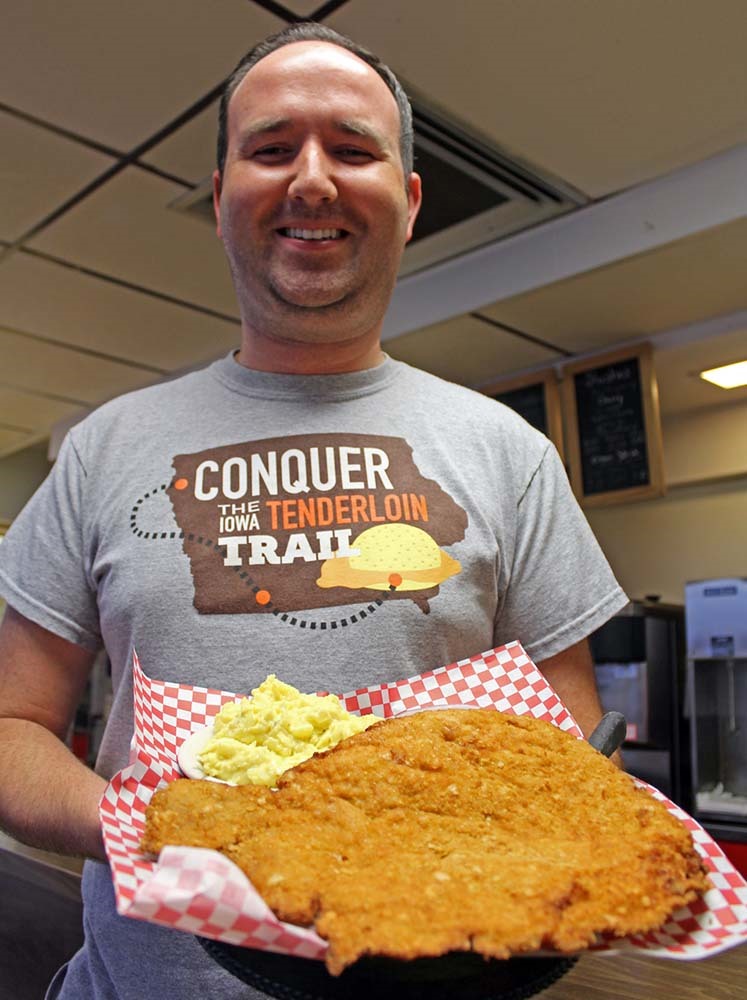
[[292, 524]]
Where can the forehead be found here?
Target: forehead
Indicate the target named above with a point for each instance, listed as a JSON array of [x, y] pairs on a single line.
[[315, 75]]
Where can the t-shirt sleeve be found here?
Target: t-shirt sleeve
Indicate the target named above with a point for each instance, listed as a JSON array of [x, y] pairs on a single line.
[[560, 586], [44, 557]]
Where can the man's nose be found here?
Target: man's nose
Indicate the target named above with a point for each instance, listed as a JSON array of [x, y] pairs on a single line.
[[312, 182]]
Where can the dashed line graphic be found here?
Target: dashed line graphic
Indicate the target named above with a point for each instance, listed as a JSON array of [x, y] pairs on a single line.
[[261, 595]]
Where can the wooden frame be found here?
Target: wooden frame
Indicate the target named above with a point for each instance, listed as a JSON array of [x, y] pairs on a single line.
[[581, 440], [545, 380]]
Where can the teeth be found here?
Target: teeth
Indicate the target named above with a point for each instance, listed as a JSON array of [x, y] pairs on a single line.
[[313, 234]]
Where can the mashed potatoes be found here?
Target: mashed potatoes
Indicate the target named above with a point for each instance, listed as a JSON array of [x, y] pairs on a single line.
[[256, 739]]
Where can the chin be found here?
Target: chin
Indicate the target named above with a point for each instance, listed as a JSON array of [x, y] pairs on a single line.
[[314, 301], [314, 306], [316, 310]]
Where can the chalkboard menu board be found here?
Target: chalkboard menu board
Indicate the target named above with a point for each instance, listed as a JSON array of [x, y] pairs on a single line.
[[612, 407], [612, 429], [536, 398], [529, 402]]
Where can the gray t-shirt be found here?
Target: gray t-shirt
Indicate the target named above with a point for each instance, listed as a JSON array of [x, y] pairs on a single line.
[[337, 530]]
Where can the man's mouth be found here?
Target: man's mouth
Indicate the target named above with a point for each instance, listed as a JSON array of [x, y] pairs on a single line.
[[295, 233]]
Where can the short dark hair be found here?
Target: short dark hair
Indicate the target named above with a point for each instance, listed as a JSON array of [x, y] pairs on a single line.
[[311, 31]]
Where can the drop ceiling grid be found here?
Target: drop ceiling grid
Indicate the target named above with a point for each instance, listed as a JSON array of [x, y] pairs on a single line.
[[601, 95], [121, 239], [31, 188], [116, 73], [84, 312], [126, 229], [189, 152], [32, 411], [305, 8], [49, 368], [468, 351]]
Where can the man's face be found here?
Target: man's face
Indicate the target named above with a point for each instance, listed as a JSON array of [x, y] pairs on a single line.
[[313, 208]]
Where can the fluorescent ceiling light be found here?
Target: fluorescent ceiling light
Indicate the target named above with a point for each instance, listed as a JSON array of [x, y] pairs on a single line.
[[727, 376]]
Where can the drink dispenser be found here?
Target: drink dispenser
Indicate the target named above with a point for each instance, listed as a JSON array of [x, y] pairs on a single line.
[[716, 628]]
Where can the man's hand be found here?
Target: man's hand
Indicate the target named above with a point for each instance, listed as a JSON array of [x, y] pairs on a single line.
[[48, 798], [571, 674]]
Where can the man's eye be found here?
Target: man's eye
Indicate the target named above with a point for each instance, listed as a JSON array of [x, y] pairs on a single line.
[[270, 151], [354, 153]]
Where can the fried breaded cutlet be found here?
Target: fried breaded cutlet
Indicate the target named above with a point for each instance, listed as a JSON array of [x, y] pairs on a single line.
[[447, 831]]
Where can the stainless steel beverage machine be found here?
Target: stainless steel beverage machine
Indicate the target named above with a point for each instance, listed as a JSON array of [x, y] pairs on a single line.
[[639, 659], [716, 616]]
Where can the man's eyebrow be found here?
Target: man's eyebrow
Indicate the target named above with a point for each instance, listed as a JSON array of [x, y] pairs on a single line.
[[271, 126], [363, 130], [264, 126]]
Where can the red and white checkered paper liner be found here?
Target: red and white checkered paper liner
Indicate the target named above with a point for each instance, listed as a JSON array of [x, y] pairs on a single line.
[[202, 892]]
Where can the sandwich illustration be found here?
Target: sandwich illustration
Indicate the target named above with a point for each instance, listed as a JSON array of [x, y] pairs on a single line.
[[390, 557]]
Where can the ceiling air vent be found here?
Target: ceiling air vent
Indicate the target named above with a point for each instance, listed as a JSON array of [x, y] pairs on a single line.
[[473, 193]]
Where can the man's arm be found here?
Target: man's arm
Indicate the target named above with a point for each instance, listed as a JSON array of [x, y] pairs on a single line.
[[48, 798], [571, 674]]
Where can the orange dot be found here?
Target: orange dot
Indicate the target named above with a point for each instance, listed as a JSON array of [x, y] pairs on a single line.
[[263, 597], [181, 484], [395, 579]]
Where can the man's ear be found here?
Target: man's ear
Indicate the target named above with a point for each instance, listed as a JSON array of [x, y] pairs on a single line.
[[414, 200], [216, 200]]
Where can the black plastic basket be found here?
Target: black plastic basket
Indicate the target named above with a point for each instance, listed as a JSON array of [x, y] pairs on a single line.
[[459, 974]]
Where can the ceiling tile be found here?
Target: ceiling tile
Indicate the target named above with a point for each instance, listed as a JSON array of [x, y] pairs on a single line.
[[119, 72], [602, 95], [189, 153], [467, 351], [31, 411], [74, 308], [30, 364], [38, 171], [303, 8], [681, 390], [127, 229], [11, 440], [678, 284]]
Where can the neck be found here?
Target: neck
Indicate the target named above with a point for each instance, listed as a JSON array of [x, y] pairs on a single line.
[[292, 357]]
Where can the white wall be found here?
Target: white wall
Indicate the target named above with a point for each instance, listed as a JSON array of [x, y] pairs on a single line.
[[706, 445], [698, 530], [693, 533]]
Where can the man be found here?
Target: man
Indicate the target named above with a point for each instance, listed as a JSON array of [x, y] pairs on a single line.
[[308, 507]]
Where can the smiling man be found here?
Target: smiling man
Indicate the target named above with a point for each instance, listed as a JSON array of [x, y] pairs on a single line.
[[314, 208], [305, 506]]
